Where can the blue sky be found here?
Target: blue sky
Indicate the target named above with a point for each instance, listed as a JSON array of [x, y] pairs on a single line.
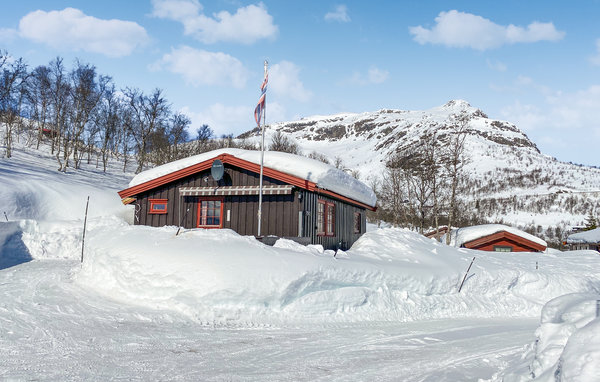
[[533, 63]]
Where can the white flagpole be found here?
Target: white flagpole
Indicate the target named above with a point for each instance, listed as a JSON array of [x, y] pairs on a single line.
[[262, 157]]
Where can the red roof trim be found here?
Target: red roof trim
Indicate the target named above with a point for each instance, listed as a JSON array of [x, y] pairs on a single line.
[[250, 166], [504, 235]]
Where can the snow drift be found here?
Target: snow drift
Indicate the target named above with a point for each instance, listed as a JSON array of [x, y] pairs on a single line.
[[389, 274], [567, 346]]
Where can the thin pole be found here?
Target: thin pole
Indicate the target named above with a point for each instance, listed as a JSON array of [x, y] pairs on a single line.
[[262, 156], [84, 225], [464, 278]]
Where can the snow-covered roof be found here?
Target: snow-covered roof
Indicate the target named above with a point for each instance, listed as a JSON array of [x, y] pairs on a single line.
[[325, 176], [585, 237], [467, 234]]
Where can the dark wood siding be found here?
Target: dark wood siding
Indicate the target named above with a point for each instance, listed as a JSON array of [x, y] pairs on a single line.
[[279, 215], [344, 235]]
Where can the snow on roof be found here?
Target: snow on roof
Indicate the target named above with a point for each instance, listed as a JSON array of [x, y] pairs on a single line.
[[324, 175], [591, 237], [467, 234]]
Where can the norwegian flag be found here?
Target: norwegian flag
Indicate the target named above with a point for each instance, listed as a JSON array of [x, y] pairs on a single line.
[[260, 108]]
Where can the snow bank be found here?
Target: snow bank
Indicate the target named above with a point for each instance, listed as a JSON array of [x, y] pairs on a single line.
[[389, 274], [324, 175], [567, 346], [467, 234], [591, 236]]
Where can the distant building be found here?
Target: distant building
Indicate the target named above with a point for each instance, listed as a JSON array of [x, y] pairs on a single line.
[[303, 199], [497, 238], [437, 234], [584, 240]]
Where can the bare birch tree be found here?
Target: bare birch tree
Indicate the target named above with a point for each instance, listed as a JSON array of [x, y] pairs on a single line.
[[455, 162]]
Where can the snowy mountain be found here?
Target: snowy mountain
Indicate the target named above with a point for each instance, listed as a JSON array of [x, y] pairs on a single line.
[[507, 179]]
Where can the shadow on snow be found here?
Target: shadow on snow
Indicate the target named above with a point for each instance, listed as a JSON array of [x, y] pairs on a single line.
[[12, 249]]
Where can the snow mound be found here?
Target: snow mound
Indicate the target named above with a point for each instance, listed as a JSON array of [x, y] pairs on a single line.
[[467, 234], [389, 274], [324, 175], [567, 346]]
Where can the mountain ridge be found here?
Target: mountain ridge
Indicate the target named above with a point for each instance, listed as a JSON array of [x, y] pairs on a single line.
[[501, 164]]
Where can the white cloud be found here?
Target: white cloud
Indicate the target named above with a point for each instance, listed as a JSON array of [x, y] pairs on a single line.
[[496, 65], [226, 119], [200, 67], [596, 59], [340, 14], [8, 35], [377, 76], [373, 76], [578, 110], [247, 25], [222, 119], [72, 29], [459, 29], [567, 124], [284, 79]]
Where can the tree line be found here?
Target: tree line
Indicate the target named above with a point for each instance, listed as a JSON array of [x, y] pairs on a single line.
[[83, 114]]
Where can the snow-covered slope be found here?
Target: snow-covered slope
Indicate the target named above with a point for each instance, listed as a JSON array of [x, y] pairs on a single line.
[[506, 176]]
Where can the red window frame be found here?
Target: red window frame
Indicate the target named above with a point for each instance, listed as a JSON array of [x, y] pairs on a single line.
[[325, 218], [357, 222], [213, 226], [153, 204]]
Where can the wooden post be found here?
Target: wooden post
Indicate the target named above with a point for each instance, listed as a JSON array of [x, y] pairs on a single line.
[[184, 216], [464, 278], [84, 225]]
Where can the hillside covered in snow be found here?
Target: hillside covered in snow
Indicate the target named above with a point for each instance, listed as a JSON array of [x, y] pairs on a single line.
[[506, 179]]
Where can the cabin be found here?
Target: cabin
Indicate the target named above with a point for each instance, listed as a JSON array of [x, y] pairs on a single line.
[[497, 238], [586, 240], [437, 234], [303, 199]]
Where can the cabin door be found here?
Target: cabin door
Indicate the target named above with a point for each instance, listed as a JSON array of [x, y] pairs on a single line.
[[210, 213]]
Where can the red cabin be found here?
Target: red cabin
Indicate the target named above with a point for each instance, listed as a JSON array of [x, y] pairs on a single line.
[[498, 238]]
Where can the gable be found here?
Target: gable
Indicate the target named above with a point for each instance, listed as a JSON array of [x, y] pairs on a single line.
[[504, 236]]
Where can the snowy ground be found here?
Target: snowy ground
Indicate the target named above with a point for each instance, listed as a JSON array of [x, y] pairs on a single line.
[[148, 305], [54, 329]]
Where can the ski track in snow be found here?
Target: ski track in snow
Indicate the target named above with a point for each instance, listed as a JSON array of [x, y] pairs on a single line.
[[53, 329]]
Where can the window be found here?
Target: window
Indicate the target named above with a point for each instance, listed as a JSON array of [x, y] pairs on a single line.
[[325, 218], [158, 206], [210, 213], [502, 248], [321, 217], [357, 222]]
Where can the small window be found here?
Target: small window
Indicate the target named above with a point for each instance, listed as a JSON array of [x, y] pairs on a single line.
[[502, 248], [158, 206], [325, 218], [357, 222]]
